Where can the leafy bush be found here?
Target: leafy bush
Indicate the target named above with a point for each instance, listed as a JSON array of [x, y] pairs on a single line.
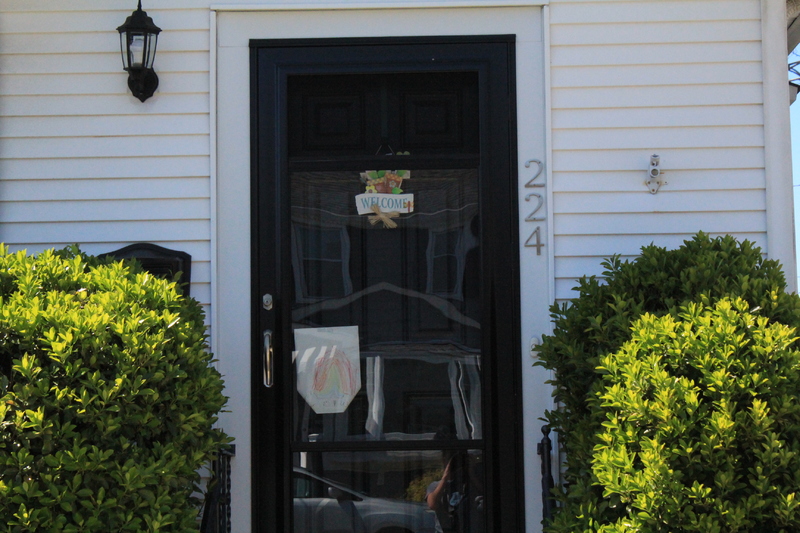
[[417, 490], [598, 322], [702, 429], [107, 397]]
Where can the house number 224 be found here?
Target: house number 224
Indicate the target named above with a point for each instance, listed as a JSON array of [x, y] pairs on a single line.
[[535, 239]]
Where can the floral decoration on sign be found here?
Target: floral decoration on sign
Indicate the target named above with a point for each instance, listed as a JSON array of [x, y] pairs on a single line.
[[384, 181]]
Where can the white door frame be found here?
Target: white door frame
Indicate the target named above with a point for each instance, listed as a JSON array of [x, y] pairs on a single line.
[[232, 27]]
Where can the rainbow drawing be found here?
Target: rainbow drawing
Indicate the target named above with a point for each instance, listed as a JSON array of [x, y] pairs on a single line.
[[334, 375], [328, 367]]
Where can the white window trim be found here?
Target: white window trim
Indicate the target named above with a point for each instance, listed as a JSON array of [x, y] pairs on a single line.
[[298, 266], [466, 242]]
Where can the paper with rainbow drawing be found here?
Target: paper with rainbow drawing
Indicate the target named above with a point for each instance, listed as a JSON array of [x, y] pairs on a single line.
[[328, 367]]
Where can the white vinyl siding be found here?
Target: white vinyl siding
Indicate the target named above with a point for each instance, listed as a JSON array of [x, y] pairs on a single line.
[[81, 160], [681, 79]]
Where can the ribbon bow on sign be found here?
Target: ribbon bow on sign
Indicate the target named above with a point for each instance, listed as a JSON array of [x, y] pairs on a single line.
[[386, 218]]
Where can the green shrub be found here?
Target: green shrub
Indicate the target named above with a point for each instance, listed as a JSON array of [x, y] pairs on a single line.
[[598, 322], [107, 397], [702, 424]]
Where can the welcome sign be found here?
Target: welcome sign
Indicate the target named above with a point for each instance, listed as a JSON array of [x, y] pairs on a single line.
[[400, 203]]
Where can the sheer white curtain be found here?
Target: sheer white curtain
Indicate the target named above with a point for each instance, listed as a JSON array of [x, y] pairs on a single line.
[[374, 424]]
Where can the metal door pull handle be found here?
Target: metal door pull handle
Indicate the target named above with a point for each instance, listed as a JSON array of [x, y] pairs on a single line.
[[269, 380]]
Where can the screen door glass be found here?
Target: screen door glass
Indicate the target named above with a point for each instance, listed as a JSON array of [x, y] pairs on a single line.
[[387, 353], [387, 400]]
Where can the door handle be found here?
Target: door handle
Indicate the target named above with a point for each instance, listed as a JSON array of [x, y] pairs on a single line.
[[269, 379]]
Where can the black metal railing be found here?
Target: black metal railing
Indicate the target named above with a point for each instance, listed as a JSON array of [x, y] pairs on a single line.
[[545, 450], [217, 506]]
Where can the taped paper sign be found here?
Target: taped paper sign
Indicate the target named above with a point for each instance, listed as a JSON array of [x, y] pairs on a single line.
[[328, 367]]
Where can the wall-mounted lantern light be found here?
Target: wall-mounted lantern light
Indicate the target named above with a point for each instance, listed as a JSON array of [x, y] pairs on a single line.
[[138, 37]]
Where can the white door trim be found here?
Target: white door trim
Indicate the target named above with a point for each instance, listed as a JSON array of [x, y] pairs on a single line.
[[231, 31], [777, 139]]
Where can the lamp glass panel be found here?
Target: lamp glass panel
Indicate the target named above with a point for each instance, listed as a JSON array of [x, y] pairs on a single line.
[[136, 49], [152, 39], [123, 46]]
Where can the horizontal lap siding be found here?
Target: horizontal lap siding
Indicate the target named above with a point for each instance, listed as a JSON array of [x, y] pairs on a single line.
[[81, 160], [681, 79]]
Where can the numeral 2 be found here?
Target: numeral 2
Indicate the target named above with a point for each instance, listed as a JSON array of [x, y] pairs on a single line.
[[531, 218], [540, 167]]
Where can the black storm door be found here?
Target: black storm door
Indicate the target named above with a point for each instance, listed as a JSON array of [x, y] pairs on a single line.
[[386, 380]]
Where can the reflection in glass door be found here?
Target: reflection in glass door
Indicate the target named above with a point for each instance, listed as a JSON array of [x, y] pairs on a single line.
[[387, 355]]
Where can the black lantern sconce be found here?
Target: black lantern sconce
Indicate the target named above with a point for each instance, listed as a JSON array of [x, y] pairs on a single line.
[[138, 37]]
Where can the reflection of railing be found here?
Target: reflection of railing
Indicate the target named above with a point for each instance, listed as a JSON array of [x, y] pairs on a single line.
[[217, 507], [545, 449]]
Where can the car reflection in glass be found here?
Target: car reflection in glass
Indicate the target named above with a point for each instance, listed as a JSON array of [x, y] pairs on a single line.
[[324, 506]]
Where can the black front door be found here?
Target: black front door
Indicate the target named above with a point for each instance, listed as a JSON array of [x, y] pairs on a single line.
[[386, 387]]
